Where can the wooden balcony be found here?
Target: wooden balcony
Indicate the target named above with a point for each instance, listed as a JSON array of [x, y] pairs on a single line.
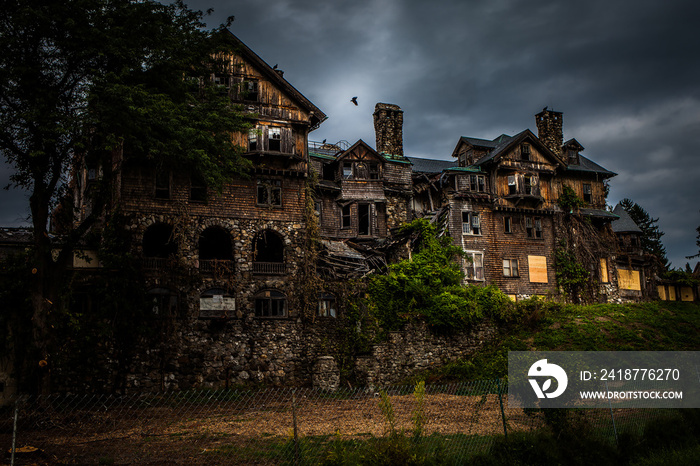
[[269, 268], [156, 263]]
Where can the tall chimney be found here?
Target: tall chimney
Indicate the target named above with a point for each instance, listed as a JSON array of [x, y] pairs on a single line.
[[550, 129], [388, 128]]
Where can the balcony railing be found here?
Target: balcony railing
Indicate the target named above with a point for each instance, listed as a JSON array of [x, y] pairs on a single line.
[[269, 268], [216, 266], [153, 263]]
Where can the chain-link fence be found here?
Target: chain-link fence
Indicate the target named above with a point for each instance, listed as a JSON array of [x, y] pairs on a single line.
[[276, 425]]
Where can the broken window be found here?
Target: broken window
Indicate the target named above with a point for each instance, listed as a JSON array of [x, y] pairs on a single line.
[[471, 223], [525, 152], [373, 171], [216, 303], [250, 90], [274, 141], [477, 183], [253, 139], [346, 220], [587, 192], [270, 303], [162, 184], [533, 227], [361, 171], [474, 265], [512, 186], [269, 192], [507, 225], [326, 305], [364, 224], [510, 268], [347, 171]]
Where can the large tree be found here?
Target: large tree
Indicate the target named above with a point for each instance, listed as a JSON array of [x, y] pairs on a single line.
[[651, 233], [92, 78]]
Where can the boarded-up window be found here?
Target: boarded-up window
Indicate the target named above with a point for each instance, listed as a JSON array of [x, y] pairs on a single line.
[[687, 294], [662, 292], [538, 269], [604, 271], [629, 280], [671, 293], [216, 304]]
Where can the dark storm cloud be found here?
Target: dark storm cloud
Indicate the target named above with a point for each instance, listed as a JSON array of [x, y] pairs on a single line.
[[625, 74]]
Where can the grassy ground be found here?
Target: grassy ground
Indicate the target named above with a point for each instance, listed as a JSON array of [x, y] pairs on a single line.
[[544, 326]]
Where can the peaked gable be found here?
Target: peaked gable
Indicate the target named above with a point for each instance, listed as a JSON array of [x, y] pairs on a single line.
[[238, 47], [361, 151], [508, 144]]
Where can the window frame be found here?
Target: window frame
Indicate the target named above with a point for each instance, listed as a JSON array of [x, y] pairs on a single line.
[[251, 90], [525, 152], [512, 184], [198, 189], [477, 272], [253, 144], [477, 183], [279, 300], [327, 305], [587, 196], [472, 226], [270, 187], [274, 139], [161, 191], [508, 224], [346, 217], [510, 268]]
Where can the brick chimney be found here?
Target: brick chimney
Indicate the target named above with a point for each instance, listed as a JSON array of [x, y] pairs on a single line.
[[550, 129], [388, 128]]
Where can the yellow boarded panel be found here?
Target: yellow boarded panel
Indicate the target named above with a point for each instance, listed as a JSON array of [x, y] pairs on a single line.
[[538, 269], [629, 280], [604, 271], [512, 297], [687, 294], [671, 293], [85, 259], [662, 292]]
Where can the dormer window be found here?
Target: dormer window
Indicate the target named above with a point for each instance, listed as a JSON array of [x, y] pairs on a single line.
[[525, 152], [573, 157]]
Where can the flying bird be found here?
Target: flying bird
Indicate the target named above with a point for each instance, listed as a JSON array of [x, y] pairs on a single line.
[[354, 100]]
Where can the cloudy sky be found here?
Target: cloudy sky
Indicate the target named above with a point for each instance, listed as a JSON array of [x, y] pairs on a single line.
[[625, 74]]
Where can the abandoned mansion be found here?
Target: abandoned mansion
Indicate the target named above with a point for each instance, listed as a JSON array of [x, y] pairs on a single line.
[[233, 266]]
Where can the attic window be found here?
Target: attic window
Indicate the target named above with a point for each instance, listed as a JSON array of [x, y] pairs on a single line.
[[250, 90], [373, 171], [573, 157], [525, 152]]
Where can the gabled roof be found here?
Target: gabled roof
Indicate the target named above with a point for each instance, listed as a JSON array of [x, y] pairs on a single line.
[[624, 224], [506, 143], [360, 143], [421, 165], [589, 166], [574, 143], [317, 116]]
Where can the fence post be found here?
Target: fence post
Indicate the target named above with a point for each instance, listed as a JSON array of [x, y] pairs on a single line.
[[14, 433], [500, 401], [294, 420]]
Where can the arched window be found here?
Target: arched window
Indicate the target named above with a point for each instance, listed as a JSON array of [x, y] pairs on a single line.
[[216, 303], [326, 305], [215, 251], [270, 303], [268, 253], [162, 302], [158, 245]]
